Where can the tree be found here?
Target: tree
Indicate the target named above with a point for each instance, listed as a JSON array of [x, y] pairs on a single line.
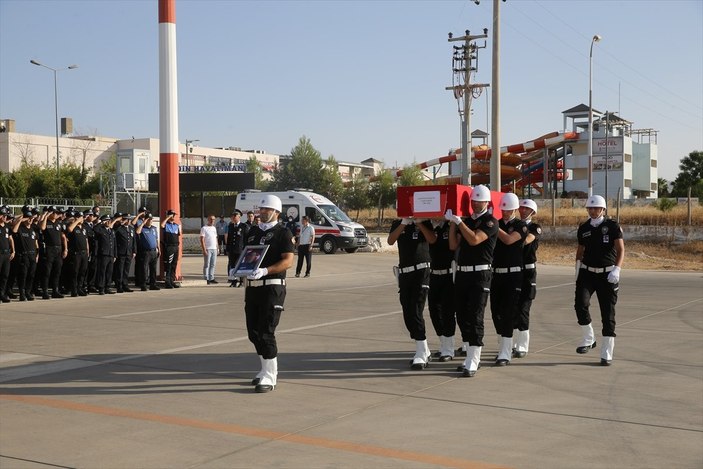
[[691, 176], [383, 192], [253, 166], [330, 182], [662, 187], [303, 169], [411, 176], [356, 194]]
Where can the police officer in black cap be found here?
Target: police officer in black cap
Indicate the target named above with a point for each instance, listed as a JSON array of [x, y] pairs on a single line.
[[27, 247], [55, 250], [78, 249], [171, 240], [7, 252], [126, 247], [105, 237]]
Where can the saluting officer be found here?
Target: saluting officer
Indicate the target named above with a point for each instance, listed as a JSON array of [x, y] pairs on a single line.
[[90, 220], [506, 284], [7, 252], [55, 250], [78, 248], [413, 240], [475, 237], [27, 247], [105, 238], [440, 299], [266, 289], [139, 258], [235, 239], [171, 240], [521, 326], [125, 247], [599, 258], [149, 242]]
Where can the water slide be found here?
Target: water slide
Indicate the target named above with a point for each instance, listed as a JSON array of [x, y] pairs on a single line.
[[514, 167]]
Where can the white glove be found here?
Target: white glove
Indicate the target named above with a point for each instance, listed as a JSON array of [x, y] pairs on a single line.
[[258, 273], [578, 267], [449, 216], [614, 275], [406, 221]]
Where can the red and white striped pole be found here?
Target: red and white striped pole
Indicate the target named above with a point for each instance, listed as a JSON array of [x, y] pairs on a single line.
[[168, 113]]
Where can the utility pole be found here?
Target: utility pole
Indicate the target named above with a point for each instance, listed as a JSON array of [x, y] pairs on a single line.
[[465, 62], [495, 95]]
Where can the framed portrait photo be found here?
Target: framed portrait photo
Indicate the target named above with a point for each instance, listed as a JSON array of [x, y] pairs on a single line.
[[249, 260]]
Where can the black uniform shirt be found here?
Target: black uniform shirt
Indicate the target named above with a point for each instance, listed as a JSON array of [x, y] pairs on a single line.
[[5, 239], [279, 240], [124, 241], [236, 234], [510, 255], [440, 253], [77, 239], [413, 248], [52, 234], [529, 251], [599, 242], [26, 239], [482, 253], [105, 239]]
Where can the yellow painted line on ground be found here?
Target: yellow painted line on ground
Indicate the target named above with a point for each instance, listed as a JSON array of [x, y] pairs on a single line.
[[431, 459]]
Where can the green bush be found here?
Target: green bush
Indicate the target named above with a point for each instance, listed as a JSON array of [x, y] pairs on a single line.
[[665, 205]]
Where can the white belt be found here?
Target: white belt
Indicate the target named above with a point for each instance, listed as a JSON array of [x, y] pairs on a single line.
[[529, 266], [474, 268], [412, 268], [440, 272], [506, 270], [270, 281], [598, 270]]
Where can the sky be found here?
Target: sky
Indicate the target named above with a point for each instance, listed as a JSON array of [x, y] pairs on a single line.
[[360, 79]]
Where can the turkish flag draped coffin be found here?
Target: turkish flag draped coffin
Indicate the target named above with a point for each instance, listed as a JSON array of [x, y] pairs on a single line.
[[434, 201]]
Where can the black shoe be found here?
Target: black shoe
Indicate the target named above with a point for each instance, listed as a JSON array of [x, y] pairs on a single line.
[[214, 281], [30, 297], [74, 294], [468, 373], [168, 286], [93, 290], [5, 299], [176, 285], [82, 293], [23, 298], [517, 354], [119, 290], [154, 287], [127, 290], [57, 295], [45, 296], [586, 348], [502, 362], [264, 388], [445, 358], [255, 381], [209, 281], [11, 296], [101, 292], [144, 288], [109, 292], [604, 362], [297, 275], [307, 275]]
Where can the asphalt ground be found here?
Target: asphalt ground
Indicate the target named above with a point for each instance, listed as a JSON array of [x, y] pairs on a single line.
[[161, 379]]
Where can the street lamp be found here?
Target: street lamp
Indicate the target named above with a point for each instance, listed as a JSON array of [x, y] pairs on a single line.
[[56, 105], [595, 39]]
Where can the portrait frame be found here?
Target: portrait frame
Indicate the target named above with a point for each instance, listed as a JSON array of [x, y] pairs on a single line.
[[249, 260]]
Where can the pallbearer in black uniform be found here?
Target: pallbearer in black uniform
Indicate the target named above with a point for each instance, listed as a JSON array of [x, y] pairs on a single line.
[[55, 250], [171, 240], [599, 258], [7, 252], [475, 237], [26, 246], [78, 249], [506, 284], [414, 238], [266, 289], [440, 299], [521, 326]]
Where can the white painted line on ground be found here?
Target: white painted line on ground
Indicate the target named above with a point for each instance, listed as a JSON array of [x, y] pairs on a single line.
[[136, 313]]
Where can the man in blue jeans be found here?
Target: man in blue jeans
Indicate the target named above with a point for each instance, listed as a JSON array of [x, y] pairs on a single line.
[[208, 243]]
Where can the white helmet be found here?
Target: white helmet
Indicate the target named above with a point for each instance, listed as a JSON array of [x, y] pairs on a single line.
[[509, 201], [271, 201], [529, 203], [595, 201], [481, 193]]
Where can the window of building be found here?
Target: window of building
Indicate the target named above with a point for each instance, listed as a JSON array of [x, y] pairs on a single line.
[[628, 158], [628, 182], [653, 187], [653, 163]]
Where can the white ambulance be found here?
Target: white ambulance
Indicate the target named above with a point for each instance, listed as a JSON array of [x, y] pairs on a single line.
[[333, 228]]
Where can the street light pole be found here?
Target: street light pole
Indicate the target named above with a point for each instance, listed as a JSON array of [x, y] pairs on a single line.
[[56, 105], [595, 39]]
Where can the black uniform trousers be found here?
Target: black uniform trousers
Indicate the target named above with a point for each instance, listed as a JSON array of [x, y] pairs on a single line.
[[440, 301], [52, 269], [528, 293], [91, 271], [26, 267], [471, 290], [4, 272], [505, 294], [607, 293], [413, 288], [304, 253], [170, 263], [120, 272], [148, 267], [139, 268], [78, 266], [263, 307], [103, 273]]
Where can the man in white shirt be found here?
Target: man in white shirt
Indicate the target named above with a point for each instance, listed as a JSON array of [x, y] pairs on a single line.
[[208, 243], [304, 245]]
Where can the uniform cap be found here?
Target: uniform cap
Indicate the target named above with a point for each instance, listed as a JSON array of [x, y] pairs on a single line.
[[509, 201], [35, 211], [118, 215], [3, 211], [27, 213], [105, 217], [596, 201], [171, 212], [148, 215], [529, 203], [142, 209], [49, 208], [237, 212]]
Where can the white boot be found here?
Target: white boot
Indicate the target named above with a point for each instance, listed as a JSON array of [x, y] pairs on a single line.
[[522, 344], [422, 355], [473, 361], [606, 350], [588, 341], [268, 380], [506, 350], [260, 374]]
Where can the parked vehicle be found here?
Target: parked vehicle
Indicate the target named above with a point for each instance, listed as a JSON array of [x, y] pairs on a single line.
[[333, 228]]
